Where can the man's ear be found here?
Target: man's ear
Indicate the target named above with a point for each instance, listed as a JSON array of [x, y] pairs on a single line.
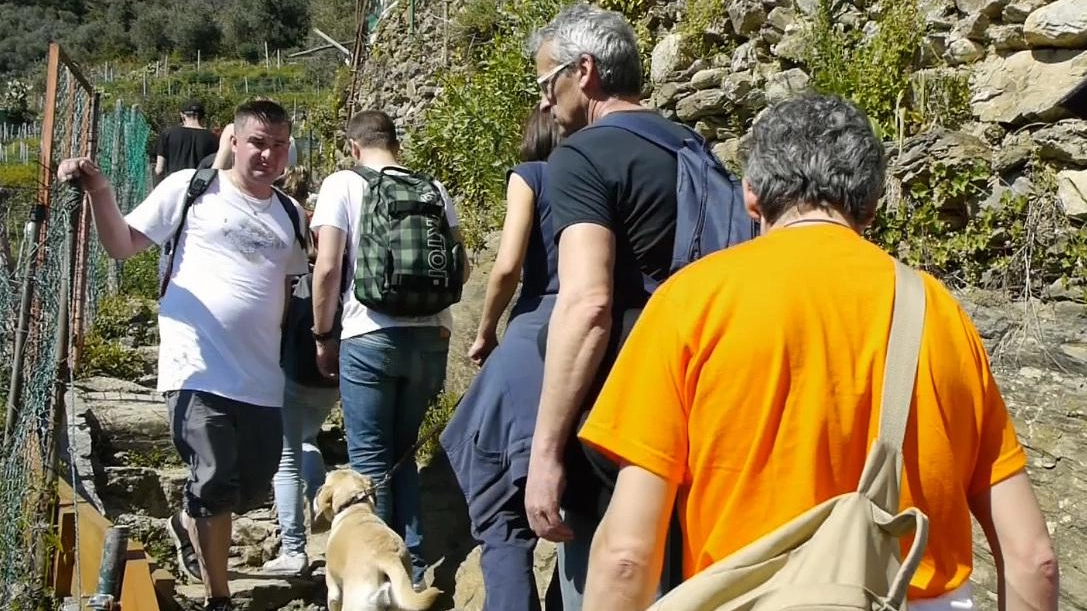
[[751, 202], [585, 73], [356, 150]]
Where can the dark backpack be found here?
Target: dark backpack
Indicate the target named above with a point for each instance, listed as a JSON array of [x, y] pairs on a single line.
[[297, 350], [710, 213], [408, 263], [198, 185]]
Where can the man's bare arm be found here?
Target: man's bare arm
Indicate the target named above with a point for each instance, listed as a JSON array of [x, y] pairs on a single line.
[[1027, 574], [576, 340], [326, 276], [577, 333], [160, 166], [119, 240], [628, 548]]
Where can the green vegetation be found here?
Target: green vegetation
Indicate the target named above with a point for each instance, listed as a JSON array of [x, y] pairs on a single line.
[[441, 410], [872, 70], [105, 357], [1019, 244], [470, 134], [703, 16], [94, 30], [153, 458], [120, 323]]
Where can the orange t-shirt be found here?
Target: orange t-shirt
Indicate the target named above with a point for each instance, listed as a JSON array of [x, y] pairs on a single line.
[[753, 379]]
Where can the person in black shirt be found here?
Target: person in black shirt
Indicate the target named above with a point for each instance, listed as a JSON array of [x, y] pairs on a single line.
[[613, 200], [183, 146]]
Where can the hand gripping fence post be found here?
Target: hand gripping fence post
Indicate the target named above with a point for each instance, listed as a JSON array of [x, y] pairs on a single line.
[[112, 571]]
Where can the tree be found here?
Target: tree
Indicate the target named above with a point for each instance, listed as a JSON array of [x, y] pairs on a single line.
[[25, 32], [149, 32], [335, 18], [283, 24], [110, 21], [15, 103], [193, 31]]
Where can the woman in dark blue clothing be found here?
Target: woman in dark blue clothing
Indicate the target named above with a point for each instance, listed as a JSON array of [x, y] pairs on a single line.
[[489, 436]]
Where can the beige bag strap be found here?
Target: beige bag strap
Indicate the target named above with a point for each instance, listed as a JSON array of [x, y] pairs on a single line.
[[903, 351]]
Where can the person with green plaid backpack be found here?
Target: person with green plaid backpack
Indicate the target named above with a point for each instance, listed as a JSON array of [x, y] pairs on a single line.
[[397, 231]]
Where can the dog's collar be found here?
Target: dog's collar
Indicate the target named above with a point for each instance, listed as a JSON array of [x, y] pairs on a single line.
[[358, 499]]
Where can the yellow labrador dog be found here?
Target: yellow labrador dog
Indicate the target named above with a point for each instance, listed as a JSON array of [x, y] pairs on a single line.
[[367, 566]]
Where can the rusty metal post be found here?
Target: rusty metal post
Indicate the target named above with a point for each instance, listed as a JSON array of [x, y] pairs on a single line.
[[82, 253], [35, 231]]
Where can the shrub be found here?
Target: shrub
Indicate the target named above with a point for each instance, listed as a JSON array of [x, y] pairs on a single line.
[[126, 317], [872, 70], [703, 16], [140, 277], [1020, 244], [441, 410], [469, 136], [20, 176], [109, 358], [477, 23]]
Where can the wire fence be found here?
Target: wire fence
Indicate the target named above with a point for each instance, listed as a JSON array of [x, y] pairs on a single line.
[[122, 155], [47, 301]]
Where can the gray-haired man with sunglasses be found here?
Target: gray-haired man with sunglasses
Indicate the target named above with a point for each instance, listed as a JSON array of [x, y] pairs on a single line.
[[614, 213]]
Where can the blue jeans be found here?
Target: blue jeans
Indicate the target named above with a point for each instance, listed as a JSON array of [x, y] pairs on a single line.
[[573, 559], [301, 465], [388, 378]]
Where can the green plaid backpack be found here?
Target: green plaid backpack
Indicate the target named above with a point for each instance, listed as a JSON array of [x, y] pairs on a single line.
[[408, 263]]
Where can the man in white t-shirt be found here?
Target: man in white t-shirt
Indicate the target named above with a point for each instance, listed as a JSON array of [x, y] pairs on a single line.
[[390, 368], [219, 323]]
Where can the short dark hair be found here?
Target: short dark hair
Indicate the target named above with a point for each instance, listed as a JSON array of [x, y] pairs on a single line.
[[373, 129], [540, 136], [193, 107], [265, 111]]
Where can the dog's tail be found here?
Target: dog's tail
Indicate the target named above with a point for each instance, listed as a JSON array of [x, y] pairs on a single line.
[[403, 595]]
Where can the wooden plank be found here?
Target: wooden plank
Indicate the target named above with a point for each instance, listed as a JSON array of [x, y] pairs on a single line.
[[64, 560], [138, 590]]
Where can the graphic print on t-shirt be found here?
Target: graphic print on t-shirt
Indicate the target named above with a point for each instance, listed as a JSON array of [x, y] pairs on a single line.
[[250, 237]]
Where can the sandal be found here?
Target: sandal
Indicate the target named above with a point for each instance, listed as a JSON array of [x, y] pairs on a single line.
[[186, 554]]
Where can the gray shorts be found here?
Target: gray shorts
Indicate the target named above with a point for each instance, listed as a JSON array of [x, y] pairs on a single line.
[[232, 449]]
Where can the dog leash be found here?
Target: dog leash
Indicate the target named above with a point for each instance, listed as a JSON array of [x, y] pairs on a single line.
[[385, 479]]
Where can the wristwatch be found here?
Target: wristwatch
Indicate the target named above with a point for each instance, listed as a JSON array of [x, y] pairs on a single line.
[[322, 337]]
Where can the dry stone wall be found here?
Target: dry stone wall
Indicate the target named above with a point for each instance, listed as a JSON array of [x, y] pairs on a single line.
[[1019, 57]]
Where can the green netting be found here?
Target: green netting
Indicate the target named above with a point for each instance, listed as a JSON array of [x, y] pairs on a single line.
[[48, 265], [123, 134], [25, 520]]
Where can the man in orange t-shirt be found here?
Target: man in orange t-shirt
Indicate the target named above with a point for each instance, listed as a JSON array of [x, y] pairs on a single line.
[[750, 383]]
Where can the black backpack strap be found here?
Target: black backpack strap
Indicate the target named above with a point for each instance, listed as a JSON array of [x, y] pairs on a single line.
[[640, 124], [292, 213], [368, 174], [198, 185]]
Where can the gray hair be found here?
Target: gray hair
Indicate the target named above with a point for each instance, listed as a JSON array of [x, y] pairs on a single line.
[[817, 151], [586, 29]]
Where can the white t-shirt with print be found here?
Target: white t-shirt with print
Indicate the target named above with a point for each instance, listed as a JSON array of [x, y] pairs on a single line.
[[220, 319], [339, 204]]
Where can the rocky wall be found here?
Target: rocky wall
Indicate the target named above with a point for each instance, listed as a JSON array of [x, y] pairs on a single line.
[[410, 46], [1019, 58]]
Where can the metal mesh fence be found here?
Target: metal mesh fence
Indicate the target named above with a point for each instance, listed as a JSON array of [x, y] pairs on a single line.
[[47, 301], [123, 134]]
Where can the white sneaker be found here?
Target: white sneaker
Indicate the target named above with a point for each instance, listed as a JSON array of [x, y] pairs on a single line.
[[287, 564]]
